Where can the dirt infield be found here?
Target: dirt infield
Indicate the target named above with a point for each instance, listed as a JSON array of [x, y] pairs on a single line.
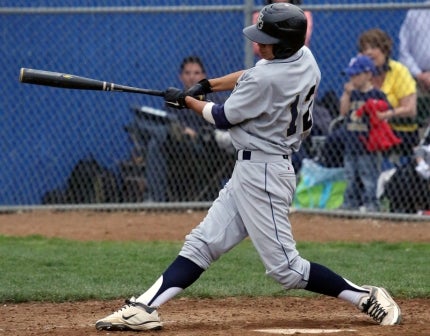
[[232, 316]]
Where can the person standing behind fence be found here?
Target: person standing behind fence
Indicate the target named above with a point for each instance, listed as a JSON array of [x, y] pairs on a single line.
[[191, 71], [395, 80], [361, 165], [190, 153], [422, 159], [308, 15], [160, 145], [414, 52]]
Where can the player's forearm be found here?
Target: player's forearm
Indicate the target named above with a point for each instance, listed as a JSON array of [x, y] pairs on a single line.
[[195, 104], [212, 113], [225, 83]]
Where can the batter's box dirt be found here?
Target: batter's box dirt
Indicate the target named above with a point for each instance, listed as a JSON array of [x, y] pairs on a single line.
[[230, 316]]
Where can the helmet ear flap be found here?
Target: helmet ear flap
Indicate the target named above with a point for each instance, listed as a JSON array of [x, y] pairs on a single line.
[[282, 50], [285, 49]]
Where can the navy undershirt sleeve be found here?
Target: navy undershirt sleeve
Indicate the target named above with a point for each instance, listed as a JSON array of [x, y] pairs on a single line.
[[218, 114]]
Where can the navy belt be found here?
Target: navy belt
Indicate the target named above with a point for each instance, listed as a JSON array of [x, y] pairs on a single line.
[[259, 156]]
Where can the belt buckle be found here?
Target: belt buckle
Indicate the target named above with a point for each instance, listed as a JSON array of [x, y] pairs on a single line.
[[242, 154], [246, 155]]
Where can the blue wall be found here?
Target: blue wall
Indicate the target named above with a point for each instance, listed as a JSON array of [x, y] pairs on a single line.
[[42, 129]]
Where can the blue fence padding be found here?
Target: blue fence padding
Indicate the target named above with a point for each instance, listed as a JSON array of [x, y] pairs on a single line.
[[61, 3], [88, 3], [32, 146]]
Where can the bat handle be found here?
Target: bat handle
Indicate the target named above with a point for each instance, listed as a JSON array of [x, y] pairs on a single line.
[[199, 97]]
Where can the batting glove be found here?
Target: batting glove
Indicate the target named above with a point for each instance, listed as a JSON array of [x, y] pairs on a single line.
[[175, 98], [202, 88]]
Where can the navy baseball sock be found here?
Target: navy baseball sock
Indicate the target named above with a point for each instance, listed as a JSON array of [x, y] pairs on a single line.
[[324, 281], [181, 273]]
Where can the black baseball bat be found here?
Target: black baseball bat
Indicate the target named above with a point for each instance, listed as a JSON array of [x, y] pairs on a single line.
[[67, 81]]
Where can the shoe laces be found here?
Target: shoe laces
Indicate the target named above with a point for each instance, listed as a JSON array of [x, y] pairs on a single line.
[[374, 309], [127, 304], [132, 303]]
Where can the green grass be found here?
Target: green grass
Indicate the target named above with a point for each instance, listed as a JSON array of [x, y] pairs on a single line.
[[40, 269]]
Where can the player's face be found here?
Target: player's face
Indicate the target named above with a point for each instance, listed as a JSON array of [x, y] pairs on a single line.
[[266, 51], [375, 53], [191, 74]]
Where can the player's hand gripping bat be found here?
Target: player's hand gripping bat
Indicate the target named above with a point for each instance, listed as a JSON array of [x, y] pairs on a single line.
[[67, 81]]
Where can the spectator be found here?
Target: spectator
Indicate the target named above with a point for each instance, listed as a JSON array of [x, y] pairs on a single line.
[[175, 148], [413, 52], [361, 165], [416, 175], [193, 155], [422, 167], [395, 80], [422, 155], [192, 71], [308, 15]]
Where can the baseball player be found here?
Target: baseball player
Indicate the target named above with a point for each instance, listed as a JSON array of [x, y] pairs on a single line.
[[268, 114]]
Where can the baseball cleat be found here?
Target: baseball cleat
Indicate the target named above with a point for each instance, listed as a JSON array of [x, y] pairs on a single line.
[[380, 306], [132, 316]]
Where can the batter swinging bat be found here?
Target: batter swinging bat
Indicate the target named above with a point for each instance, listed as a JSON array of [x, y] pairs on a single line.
[[61, 80]]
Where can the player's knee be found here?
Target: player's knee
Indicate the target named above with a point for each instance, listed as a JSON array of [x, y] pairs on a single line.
[[293, 274], [199, 256]]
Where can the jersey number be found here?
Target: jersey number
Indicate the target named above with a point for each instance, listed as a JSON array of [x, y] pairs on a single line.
[[306, 118]]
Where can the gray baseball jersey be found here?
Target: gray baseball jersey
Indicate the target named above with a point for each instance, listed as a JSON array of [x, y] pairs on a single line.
[[271, 112], [271, 104]]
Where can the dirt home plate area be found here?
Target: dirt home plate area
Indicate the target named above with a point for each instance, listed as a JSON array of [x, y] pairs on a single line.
[[209, 317]]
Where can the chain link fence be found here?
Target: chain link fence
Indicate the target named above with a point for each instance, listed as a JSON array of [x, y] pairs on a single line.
[[73, 147]]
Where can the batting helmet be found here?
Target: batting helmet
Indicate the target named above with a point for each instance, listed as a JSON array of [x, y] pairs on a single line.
[[283, 25], [294, 2]]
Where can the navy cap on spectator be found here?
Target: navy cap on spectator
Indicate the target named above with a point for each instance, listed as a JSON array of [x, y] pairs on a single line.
[[360, 64]]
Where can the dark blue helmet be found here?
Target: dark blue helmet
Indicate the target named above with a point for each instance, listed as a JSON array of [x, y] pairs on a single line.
[[281, 24], [294, 2]]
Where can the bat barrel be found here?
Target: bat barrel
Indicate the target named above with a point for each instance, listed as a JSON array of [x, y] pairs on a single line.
[[61, 80]]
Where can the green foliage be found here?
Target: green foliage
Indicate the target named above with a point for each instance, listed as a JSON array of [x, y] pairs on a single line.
[[40, 269]]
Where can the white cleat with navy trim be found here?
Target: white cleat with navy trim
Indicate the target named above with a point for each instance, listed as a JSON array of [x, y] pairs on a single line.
[[380, 306], [132, 316]]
